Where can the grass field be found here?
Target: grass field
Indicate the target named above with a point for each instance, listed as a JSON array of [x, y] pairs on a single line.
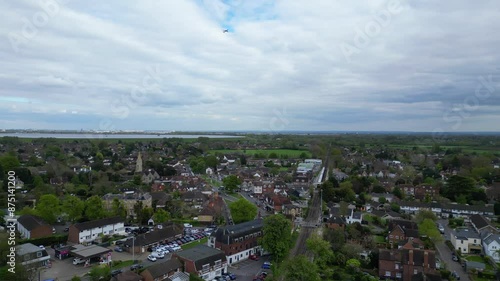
[[194, 243], [289, 152], [123, 264]]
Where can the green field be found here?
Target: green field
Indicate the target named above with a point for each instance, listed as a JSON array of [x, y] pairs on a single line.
[[289, 152]]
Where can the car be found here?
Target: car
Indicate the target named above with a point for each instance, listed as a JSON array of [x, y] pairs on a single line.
[[454, 258], [136, 266], [116, 272], [66, 229], [254, 257], [151, 258], [78, 261], [266, 265], [440, 228], [455, 275], [229, 276], [118, 249]]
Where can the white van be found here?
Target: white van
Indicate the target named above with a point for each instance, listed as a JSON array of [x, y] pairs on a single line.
[[78, 261], [158, 255], [187, 225]]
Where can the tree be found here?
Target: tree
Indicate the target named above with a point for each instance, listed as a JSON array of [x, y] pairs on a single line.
[[397, 192], [299, 268], [336, 237], [161, 216], [231, 183], [211, 161], [118, 209], [321, 250], [48, 208], [94, 208], [428, 228], [73, 207], [277, 236], [9, 162], [242, 210], [100, 272], [193, 277], [425, 214], [353, 264]]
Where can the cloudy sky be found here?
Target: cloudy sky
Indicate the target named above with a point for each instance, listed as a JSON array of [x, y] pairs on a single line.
[[282, 65]]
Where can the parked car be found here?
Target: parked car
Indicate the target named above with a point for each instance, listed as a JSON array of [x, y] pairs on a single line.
[[151, 258], [455, 275], [229, 276], [118, 249], [266, 265], [254, 257], [66, 229], [454, 257], [116, 272], [136, 266]]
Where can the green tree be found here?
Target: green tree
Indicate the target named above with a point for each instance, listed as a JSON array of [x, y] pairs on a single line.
[[161, 216], [428, 228], [94, 208], [99, 273], [242, 210], [193, 277], [48, 208], [73, 207], [299, 268], [146, 214], [425, 214], [336, 237], [231, 183], [397, 192], [277, 236], [211, 161], [9, 162], [353, 264], [322, 252], [118, 209], [76, 278]]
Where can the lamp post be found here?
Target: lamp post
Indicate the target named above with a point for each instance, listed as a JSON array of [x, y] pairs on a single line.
[[133, 249]]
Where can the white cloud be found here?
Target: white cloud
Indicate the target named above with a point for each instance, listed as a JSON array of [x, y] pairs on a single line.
[[167, 65]]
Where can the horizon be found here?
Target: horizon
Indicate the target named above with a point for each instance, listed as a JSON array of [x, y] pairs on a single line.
[[261, 66]]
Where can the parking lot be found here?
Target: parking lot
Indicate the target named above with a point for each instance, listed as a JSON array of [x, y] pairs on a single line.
[[248, 269]]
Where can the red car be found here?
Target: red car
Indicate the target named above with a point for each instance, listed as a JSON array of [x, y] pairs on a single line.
[[254, 257]]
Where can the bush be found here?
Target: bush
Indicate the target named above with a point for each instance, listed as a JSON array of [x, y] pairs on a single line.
[[46, 241], [445, 274], [487, 275]]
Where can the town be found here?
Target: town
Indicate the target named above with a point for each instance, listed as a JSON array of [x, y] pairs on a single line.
[[253, 207]]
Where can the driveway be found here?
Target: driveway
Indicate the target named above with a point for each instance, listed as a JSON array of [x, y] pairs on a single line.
[[445, 254]]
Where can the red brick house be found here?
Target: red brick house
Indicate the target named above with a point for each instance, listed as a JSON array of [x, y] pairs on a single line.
[[426, 192], [31, 227], [203, 261], [401, 230], [335, 222], [404, 263]]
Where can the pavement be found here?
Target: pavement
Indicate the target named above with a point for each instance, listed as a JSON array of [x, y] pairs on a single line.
[[246, 270], [445, 254]]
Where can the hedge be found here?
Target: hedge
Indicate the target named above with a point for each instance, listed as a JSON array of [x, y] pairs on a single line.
[[49, 240]]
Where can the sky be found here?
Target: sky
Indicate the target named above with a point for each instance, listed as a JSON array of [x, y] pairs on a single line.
[[322, 65]]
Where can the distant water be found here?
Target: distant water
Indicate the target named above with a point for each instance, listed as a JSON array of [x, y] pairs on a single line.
[[109, 136]]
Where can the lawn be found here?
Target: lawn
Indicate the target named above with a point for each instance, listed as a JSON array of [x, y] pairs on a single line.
[[122, 264], [480, 259], [194, 243], [379, 239], [289, 152]]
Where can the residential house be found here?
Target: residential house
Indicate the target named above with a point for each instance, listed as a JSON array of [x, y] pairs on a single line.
[[159, 199], [162, 271], [194, 198], [406, 263], [127, 276], [238, 241], [211, 210], [291, 210], [31, 256], [276, 202], [31, 227], [149, 176], [466, 241], [140, 243], [354, 217], [426, 192], [388, 197], [86, 232], [491, 246], [129, 200], [335, 222], [401, 230], [203, 261], [481, 224]]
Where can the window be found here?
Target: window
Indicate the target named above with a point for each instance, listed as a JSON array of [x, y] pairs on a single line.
[[217, 263], [38, 254], [398, 275], [415, 271], [206, 267], [396, 266], [388, 273]]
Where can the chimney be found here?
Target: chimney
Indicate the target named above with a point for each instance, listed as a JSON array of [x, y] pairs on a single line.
[[426, 260], [410, 257]]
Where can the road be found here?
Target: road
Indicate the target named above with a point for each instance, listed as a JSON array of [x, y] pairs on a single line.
[[445, 253], [260, 206]]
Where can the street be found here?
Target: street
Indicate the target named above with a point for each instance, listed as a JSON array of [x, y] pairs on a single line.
[[445, 253]]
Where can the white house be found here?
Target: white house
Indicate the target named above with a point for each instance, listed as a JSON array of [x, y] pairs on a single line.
[[86, 232], [354, 217], [465, 241], [491, 246]]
